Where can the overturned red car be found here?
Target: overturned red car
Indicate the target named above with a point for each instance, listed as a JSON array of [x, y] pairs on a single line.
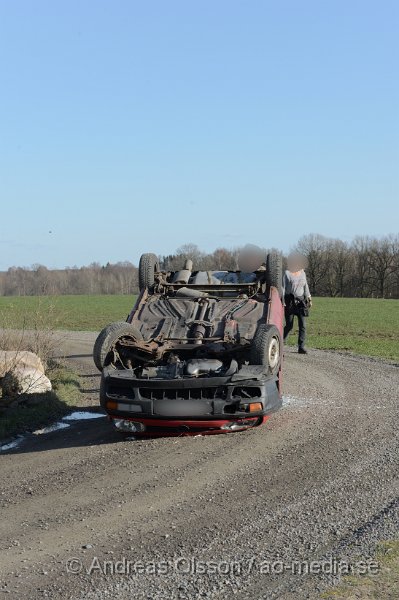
[[200, 352]]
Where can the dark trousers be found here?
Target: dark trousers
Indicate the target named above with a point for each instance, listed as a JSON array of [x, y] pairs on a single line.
[[289, 324]]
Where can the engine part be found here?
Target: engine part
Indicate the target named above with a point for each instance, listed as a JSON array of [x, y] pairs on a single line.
[[195, 367], [170, 371], [233, 368]]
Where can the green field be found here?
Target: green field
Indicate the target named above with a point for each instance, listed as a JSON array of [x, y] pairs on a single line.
[[382, 586], [78, 313], [364, 326]]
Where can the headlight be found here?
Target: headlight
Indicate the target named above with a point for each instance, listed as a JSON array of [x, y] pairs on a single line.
[[123, 406], [239, 424], [129, 426]]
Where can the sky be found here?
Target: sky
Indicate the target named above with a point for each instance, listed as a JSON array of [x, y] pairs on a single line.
[[130, 127]]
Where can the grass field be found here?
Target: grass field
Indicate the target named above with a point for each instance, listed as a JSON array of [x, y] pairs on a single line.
[[363, 326], [382, 586]]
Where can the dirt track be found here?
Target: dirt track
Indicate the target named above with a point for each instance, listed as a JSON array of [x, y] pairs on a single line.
[[320, 479]]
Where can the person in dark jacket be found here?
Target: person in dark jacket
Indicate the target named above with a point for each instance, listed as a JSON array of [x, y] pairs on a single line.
[[297, 298]]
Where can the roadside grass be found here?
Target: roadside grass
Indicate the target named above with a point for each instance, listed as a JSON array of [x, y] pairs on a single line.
[[359, 325], [382, 586], [42, 409]]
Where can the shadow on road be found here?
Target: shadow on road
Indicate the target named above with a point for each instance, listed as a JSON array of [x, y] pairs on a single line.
[[73, 434]]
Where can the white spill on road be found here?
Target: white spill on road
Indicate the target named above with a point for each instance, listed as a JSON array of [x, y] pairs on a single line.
[[51, 428], [80, 415], [10, 445], [292, 401]]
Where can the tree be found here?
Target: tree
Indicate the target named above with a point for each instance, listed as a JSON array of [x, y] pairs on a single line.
[[314, 248], [382, 262]]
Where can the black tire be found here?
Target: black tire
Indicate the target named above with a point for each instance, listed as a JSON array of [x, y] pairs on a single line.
[[107, 338], [148, 266], [274, 271], [266, 348]]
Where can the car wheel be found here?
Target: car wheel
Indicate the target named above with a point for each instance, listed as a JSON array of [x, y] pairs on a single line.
[[107, 338], [274, 271], [148, 266], [266, 348]]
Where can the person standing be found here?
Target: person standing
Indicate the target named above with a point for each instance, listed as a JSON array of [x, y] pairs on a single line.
[[297, 298]]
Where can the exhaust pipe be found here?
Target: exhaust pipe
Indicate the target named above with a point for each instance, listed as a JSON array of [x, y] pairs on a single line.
[[185, 292], [200, 328], [184, 275]]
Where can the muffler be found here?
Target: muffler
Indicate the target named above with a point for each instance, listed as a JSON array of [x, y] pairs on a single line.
[[184, 275], [185, 292]]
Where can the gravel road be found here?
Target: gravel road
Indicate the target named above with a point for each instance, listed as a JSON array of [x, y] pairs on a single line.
[[88, 515]]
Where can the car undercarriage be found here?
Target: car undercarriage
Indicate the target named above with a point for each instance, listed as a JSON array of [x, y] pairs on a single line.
[[194, 352]]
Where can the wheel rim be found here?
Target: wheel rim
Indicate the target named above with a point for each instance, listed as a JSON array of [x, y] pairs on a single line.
[[274, 353]]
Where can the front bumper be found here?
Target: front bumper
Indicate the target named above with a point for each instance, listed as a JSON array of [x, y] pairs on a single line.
[[193, 403], [164, 427]]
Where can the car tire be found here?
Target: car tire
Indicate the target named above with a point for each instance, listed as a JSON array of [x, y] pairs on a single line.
[[274, 271], [107, 338], [148, 266], [266, 348]]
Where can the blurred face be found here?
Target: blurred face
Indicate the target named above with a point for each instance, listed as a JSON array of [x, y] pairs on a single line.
[[250, 260], [296, 262]]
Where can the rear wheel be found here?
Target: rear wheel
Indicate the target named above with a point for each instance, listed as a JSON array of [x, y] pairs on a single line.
[[266, 348], [103, 346], [274, 271], [148, 266]]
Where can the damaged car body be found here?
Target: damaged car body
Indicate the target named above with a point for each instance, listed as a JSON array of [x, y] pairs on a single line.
[[199, 352]]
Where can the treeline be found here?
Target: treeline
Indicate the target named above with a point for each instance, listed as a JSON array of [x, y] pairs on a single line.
[[364, 268], [120, 278]]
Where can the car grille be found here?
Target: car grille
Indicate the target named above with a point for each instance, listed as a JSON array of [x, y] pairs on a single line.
[[203, 393], [247, 392]]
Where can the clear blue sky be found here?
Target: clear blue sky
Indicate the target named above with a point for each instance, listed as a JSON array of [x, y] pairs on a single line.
[[128, 127]]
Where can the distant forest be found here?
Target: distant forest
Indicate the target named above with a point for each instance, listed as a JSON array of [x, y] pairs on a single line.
[[365, 268]]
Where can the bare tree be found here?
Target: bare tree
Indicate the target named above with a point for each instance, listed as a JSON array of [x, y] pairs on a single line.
[[314, 247], [366, 267], [382, 261]]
